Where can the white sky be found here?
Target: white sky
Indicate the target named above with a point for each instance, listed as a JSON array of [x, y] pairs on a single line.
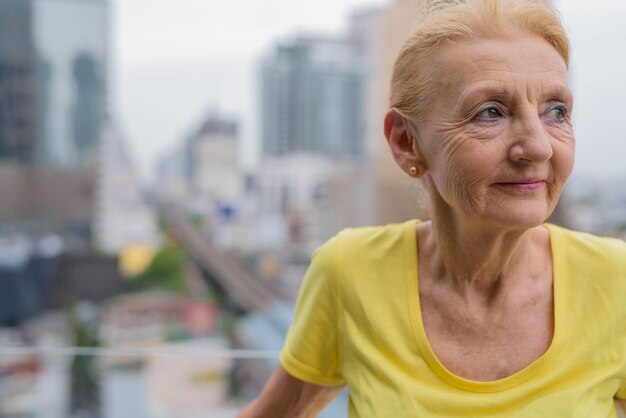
[[174, 60]]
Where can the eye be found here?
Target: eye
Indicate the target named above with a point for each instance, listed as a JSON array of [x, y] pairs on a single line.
[[558, 113], [490, 113]]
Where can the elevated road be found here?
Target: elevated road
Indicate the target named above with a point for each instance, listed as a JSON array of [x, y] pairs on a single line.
[[244, 289]]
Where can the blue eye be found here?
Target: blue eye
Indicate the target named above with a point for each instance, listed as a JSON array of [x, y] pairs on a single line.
[[490, 113], [558, 113]]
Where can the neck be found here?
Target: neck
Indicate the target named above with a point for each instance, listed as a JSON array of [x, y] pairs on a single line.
[[473, 257]]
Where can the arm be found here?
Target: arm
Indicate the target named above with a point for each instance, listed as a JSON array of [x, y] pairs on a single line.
[[285, 396], [621, 405]]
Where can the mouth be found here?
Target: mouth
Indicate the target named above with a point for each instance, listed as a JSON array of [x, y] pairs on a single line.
[[530, 185]]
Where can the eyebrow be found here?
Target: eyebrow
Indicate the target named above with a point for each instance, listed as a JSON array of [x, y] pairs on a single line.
[[558, 91], [488, 89], [500, 91]]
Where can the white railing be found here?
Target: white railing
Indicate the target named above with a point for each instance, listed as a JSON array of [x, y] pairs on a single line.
[[129, 382]]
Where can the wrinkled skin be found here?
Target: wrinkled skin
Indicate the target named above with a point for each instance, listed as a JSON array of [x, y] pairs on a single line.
[[502, 115]]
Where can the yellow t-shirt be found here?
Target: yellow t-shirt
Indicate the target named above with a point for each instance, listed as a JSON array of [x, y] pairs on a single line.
[[358, 322]]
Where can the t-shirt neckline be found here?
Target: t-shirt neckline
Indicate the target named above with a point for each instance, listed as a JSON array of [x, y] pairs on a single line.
[[415, 313]]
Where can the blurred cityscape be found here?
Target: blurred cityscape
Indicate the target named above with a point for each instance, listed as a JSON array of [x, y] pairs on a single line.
[[120, 300]]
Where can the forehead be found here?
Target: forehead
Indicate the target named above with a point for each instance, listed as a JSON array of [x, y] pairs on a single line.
[[505, 63]]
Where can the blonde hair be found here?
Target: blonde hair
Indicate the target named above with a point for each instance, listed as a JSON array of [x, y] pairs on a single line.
[[449, 22]]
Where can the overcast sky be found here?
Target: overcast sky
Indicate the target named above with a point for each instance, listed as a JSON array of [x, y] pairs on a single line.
[[174, 60]]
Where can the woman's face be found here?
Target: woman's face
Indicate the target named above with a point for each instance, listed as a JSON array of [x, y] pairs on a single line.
[[498, 143]]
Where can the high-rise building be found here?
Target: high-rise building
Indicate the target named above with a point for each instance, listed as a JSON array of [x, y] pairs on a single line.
[[379, 35], [205, 166], [71, 39], [17, 82], [214, 168], [53, 74], [88, 107], [311, 98], [121, 217]]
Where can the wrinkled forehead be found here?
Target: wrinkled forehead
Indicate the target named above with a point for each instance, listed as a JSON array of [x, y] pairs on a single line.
[[503, 64]]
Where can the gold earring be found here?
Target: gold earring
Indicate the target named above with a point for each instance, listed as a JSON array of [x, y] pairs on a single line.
[[413, 171]]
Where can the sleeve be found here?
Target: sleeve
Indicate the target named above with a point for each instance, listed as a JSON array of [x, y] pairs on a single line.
[[311, 350]]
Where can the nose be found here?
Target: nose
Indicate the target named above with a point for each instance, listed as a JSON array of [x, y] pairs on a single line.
[[531, 142]]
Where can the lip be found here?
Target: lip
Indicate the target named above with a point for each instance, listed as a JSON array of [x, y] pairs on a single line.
[[524, 185]]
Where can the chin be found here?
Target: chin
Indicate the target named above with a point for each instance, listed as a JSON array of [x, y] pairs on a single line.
[[522, 215]]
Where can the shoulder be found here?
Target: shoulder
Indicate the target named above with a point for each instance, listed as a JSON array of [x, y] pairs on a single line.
[[371, 255], [592, 272], [374, 239], [590, 248], [594, 267]]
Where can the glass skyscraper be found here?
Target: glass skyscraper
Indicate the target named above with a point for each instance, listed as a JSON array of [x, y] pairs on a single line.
[[71, 39], [311, 99], [17, 82]]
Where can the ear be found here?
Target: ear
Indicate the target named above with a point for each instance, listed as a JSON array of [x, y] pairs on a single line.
[[404, 147]]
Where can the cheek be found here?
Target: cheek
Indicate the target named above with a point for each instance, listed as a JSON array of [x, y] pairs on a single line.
[[462, 159], [469, 167], [563, 158], [562, 163]]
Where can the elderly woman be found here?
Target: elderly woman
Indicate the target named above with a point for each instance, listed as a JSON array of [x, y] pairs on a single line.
[[485, 310]]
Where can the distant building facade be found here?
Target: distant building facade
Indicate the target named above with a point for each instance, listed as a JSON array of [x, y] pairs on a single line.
[[71, 39], [214, 168], [379, 35], [303, 200], [311, 98], [122, 217], [205, 166], [172, 174], [18, 118], [53, 76]]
